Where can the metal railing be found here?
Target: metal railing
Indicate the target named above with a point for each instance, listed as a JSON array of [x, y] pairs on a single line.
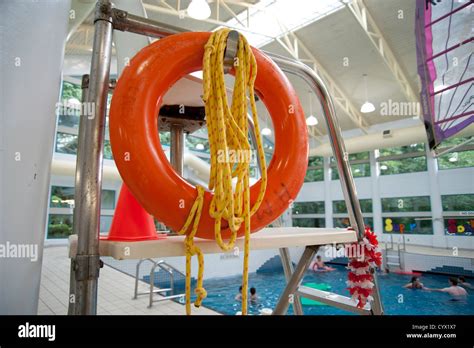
[[398, 246], [165, 267]]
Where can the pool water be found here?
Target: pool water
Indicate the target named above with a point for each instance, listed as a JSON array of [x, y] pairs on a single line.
[[396, 299]]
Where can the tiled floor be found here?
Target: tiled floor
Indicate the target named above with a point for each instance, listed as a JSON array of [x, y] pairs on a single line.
[[115, 290]]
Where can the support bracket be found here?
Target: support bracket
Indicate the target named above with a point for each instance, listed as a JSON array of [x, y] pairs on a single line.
[[87, 266]]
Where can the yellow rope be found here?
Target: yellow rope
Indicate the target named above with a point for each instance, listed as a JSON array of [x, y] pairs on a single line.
[[228, 139]]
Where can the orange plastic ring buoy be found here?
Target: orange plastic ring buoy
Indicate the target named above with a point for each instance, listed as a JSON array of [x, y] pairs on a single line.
[[142, 162]]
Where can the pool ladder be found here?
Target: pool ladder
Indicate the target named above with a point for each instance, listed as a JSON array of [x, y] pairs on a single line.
[[393, 256], [165, 267]]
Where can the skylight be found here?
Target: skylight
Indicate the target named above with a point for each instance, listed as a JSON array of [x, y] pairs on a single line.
[[264, 26]]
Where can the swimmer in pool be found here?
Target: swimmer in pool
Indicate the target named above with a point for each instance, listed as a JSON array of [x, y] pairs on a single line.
[[238, 297], [456, 292], [414, 284], [319, 266], [253, 295], [464, 284]]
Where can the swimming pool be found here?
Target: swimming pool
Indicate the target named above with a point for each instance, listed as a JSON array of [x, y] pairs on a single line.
[[396, 299]]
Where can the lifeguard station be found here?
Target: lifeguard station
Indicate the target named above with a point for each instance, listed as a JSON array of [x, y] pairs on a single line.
[[86, 248]]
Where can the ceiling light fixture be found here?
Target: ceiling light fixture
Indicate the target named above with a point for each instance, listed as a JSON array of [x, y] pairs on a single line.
[[367, 106], [266, 131], [199, 9], [311, 120], [199, 146]]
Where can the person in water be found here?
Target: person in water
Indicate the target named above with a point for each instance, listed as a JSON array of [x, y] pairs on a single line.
[[464, 284], [238, 297], [253, 295], [456, 292], [414, 284], [319, 265]]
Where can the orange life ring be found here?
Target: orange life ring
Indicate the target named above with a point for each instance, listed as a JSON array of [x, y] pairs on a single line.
[[142, 162]]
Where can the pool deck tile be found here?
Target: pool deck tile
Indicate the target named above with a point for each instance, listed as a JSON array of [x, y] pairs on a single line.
[[115, 291]]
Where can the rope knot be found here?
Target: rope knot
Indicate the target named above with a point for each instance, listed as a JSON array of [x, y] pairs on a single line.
[[201, 294]]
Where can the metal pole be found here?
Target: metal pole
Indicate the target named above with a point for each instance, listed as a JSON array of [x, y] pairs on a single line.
[[152, 283], [81, 143], [177, 148], [125, 21], [288, 269], [89, 166], [289, 292], [339, 151], [137, 274], [254, 136]]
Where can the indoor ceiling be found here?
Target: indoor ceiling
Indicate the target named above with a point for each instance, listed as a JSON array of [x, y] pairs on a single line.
[[332, 40]]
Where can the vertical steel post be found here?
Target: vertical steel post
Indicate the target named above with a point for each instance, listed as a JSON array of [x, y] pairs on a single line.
[[89, 166], [81, 143], [177, 148]]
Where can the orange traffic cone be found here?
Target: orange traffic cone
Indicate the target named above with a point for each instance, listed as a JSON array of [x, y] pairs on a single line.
[[131, 222]]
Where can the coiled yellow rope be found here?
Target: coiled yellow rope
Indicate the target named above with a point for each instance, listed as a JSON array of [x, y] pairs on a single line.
[[228, 134]]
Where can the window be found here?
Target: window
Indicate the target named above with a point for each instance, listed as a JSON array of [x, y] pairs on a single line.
[[105, 223], [309, 222], [458, 203], [67, 143], [406, 204], [63, 197], [407, 225], [360, 165], [339, 207], [341, 218], [315, 171], [460, 157], [61, 204], [308, 214], [59, 226], [344, 222], [69, 108], [308, 208], [403, 159], [407, 215], [71, 90], [107, 150], [458, 213], [108, 199]]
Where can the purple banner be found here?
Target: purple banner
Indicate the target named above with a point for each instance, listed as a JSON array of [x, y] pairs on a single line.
[[444, 46]]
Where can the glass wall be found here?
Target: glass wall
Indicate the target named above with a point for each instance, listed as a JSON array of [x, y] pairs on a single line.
[[407, 215], [68, 113], [458, 214], [61, 211], [341, 217], [460, 157], [402, 159], [360, 165], [315, 170], [308, 214]]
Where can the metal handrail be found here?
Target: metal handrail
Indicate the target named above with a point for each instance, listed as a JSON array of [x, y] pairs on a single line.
[[162, 264]]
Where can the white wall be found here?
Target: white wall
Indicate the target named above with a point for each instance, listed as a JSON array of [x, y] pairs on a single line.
[[433, 183], [33, 36]]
